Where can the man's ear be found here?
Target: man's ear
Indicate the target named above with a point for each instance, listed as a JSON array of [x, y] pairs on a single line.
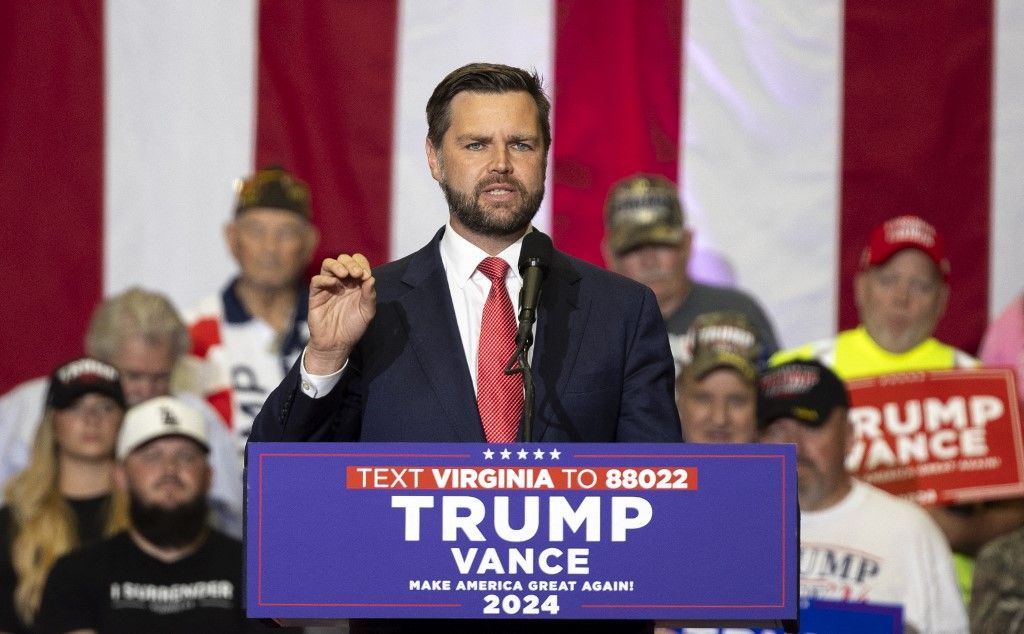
[[209, 479], [610, 262], [848, 437], [943, 300], [231, 238], [434, 161], [860, 290], [310, 242], [686, 246]]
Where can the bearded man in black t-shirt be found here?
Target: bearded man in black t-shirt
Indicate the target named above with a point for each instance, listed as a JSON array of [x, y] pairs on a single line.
[[169, 572]]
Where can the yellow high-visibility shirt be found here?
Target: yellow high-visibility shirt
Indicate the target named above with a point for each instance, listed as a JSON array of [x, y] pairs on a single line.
[[853, 354]]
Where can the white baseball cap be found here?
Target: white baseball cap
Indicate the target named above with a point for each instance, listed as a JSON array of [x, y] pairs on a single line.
[[156, 418]]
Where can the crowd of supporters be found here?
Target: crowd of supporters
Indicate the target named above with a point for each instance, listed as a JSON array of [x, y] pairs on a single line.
[[123, 469]]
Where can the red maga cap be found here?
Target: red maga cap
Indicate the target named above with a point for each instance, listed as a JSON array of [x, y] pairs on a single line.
[[905, 232]]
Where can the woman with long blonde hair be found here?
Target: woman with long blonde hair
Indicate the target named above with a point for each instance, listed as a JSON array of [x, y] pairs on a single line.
[[65, 498]]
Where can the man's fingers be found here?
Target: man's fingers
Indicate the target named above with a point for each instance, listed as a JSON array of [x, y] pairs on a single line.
[[336, 267], [347, 266], [345, 271], [324, 283], [361, 261], [370, 288], [356, 265]]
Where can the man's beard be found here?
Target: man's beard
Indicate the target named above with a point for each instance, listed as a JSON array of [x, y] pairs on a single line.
[[169, 527], [894, 340], [469, 212]]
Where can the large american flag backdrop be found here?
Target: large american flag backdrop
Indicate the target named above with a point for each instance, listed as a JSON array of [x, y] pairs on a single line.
[[792, 128]]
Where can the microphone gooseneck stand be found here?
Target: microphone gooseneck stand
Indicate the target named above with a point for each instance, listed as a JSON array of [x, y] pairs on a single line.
[[519, 364], [534, 261]]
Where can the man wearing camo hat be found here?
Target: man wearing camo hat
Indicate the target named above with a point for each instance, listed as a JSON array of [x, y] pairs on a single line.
[[717, 391], [646, 240], [245, 338]]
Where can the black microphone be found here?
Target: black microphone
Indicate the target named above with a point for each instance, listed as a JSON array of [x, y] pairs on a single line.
[[534, 262]]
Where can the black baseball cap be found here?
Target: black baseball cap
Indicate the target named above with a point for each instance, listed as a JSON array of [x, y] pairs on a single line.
[[80, 377], [806, 391]]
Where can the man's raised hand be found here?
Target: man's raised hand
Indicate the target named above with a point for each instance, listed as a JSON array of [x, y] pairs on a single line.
[[342, 301]]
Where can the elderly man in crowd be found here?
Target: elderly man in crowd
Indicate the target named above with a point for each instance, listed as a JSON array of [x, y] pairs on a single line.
[[140, 333], [901, 292], [245, 338], [646, 240], [857, 542], [717, 391]]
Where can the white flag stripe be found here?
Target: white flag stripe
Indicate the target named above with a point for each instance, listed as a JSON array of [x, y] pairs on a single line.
[[761, 103], [1006, 274], [180, 94], [433, 39]]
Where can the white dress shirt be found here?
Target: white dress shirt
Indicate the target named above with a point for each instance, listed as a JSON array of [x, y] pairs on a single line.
[[468, 287]]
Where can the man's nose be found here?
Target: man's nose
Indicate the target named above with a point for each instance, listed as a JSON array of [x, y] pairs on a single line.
[[647, 257], [719, 414], [788, 434], [92, 415], [903, 293], [500, 160]]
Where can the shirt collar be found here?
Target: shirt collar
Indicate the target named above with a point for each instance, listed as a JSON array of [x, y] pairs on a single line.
[[234, 310], [465, 256]]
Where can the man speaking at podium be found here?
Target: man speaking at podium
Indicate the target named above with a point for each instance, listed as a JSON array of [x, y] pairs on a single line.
[[415, 350]]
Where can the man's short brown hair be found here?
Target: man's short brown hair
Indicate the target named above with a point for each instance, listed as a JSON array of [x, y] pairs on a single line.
[[484, 78]]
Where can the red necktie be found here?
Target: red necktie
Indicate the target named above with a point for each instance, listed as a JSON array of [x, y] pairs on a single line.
[[498, 397]]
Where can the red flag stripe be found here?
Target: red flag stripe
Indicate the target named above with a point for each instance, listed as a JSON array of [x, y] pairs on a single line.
[[916, 140], [324, 111], [617, 88], [51, 118]]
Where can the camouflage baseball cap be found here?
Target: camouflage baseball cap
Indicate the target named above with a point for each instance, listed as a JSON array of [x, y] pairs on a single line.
[[272, 188], [643, 209], [723, 340]]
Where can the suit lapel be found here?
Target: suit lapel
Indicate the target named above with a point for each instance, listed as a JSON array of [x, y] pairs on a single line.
[[434, 337], [560, 324]]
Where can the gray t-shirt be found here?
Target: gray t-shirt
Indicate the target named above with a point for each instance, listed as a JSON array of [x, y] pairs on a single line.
[[709, 299]]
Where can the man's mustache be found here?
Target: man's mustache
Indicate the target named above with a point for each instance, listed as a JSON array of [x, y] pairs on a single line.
[[170, 479], [500, 179]]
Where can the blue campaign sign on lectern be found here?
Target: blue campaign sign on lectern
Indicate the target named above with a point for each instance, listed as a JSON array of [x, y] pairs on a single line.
[[554, 531]]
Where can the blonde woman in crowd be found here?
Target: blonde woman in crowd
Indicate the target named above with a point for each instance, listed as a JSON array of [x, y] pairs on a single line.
[[64, 498]]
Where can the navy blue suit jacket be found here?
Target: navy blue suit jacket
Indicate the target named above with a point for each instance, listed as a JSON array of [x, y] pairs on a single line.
[[601, 365]]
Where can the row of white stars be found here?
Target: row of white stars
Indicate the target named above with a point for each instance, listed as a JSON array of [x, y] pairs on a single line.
[[522, 454]]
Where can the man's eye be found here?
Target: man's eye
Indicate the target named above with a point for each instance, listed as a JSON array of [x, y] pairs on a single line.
[[476, 145], [702, 399], [921, 286], [521, 146]]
